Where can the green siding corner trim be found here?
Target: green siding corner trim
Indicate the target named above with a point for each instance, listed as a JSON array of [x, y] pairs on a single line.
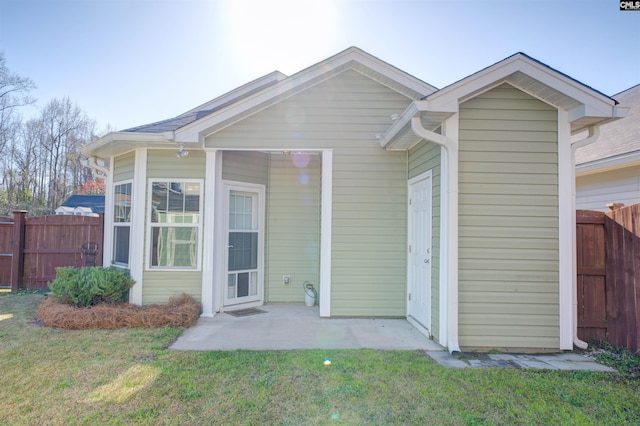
[[508, 218]]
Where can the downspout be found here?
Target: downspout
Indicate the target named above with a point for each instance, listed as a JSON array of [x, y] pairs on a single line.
[[594, 133], [451, 191]]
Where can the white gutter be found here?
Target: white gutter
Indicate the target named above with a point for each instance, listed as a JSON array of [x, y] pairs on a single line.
[[449, 223], [594, 133]]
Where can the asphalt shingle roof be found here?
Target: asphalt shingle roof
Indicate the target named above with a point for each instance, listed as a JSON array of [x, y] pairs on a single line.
[[189, 117], [96, 202], [618, 137]]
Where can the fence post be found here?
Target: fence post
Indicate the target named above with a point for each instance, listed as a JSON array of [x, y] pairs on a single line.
[[17, 260]]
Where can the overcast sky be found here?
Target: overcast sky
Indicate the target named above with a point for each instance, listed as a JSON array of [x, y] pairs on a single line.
[[131, 62]]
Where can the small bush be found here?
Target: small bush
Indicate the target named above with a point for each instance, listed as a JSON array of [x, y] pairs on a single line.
[[90, 286]]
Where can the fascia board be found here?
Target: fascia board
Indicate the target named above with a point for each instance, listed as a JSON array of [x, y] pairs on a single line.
[[498, 73], [392, 72], [196, 131], [116, 142], [613, 112]]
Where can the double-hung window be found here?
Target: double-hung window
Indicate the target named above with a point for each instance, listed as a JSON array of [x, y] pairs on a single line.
[[175, 224], [121, 223]]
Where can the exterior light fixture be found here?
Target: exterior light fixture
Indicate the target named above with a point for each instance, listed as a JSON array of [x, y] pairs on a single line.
[[181, 153]]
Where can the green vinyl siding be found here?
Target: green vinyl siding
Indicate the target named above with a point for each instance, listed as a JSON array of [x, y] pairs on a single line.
[[422, 158], [247, 166], [123, 166], [345, 113], [369, 235], [159, 286], [163, 164], [508, 221], [293, 226]]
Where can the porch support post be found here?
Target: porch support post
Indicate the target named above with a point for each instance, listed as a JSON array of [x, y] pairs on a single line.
[[326, 200], [209, 233], [136, 244], [107, 241]]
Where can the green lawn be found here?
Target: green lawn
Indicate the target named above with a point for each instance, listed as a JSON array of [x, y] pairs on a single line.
[[128, 377]]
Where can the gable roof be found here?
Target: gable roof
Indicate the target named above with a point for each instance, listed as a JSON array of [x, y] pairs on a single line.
[[94, 202], [585, 105], [618, 141], [210, 107], [193, 126]]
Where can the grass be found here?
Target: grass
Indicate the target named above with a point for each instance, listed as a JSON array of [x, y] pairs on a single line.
[[128, 376]]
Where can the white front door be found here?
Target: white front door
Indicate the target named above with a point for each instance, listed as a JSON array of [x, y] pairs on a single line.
[[419, 251], [244, 277]]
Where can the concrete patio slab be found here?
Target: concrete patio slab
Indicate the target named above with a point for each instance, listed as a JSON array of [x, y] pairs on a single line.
[[294, 326]]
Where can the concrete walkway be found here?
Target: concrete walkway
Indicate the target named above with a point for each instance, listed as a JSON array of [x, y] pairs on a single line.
[[295, 326], [560, 361]]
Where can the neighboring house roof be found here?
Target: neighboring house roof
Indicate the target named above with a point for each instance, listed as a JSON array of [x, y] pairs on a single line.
[[94, 202], [618, 141], [193, 126]]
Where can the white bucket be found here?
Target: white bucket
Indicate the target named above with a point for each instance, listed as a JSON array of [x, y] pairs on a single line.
[[309, 295]]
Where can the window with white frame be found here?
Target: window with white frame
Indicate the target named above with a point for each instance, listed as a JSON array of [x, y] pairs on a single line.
[[121, 223], [175, 224]]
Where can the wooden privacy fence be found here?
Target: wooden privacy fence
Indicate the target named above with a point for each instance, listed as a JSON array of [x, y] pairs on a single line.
[[608, 258], [591, 294], [32, 247]]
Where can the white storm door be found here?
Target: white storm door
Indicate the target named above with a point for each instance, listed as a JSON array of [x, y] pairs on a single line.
[[244, 244], [419, 250]]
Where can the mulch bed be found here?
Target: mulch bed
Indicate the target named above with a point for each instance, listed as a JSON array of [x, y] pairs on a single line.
[[181, 311]]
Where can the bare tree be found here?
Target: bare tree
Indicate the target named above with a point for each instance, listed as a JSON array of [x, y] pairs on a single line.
[[14, 93], [65, 128], [40, 162]]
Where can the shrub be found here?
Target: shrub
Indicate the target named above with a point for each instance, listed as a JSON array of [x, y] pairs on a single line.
[[90, 286]]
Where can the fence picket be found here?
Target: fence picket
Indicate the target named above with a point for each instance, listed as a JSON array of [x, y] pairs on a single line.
[[44, 243]]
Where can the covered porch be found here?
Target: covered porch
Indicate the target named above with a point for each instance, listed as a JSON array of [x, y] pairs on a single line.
[[267, 228]]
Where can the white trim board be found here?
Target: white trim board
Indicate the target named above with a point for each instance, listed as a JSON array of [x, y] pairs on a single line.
[[566, 231], [326, 202], [138, 223], [209, 230]]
